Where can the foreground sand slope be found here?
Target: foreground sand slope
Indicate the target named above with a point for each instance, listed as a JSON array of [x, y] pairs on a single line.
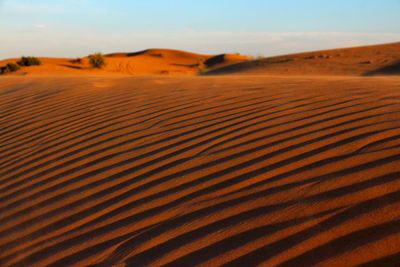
[[199, 171], [151, 61], [367, 60]]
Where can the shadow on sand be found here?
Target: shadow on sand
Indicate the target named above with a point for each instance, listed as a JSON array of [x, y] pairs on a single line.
[[392, 69], [70, 66]]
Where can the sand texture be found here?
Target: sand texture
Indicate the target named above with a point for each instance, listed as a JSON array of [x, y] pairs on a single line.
[[199, 171], [284, 161]]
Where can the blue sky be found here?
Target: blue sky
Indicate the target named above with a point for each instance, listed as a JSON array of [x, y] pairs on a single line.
[[71, 28]]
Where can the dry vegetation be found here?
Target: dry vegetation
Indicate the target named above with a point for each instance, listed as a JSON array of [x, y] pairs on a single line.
[[97, 60]]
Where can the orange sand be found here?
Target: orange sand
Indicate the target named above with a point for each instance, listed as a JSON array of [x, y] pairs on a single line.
[[148, 62], [236, 170], [366, 61]]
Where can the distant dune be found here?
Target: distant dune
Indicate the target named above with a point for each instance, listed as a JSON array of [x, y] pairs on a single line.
[[147, 62], [366, 60], [356, 61]]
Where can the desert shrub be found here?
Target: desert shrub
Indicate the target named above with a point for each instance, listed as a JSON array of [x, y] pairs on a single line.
[[202, 70], [4, 70], [97, 60], [77, 60], [12, 66], [199, 61], [29, 61]]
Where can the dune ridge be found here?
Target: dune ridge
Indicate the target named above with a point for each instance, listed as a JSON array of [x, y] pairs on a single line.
[[205, 171], [383, 59], [146, 62]]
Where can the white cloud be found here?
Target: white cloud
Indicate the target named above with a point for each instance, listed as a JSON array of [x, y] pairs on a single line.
[[40, 26]]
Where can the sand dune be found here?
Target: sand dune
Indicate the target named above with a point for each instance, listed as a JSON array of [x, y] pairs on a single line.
[[206, 171], [147, 62], [356, 61], [366, 60]]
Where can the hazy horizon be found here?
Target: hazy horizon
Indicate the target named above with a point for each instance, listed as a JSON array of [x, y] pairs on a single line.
[[71, 28]]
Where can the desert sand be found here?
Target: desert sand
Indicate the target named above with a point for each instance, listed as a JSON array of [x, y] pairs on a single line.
[[258, 166], [148, 62], [359, 61]]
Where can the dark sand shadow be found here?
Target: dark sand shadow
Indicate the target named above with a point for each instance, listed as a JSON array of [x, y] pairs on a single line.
[[70, 66], [392, 69]]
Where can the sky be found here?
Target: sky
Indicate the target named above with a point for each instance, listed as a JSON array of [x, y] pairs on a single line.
[[76, 28]]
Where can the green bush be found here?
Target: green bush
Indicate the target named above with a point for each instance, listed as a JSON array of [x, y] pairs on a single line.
[[12, 66], [97, 60], [29, 61]]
